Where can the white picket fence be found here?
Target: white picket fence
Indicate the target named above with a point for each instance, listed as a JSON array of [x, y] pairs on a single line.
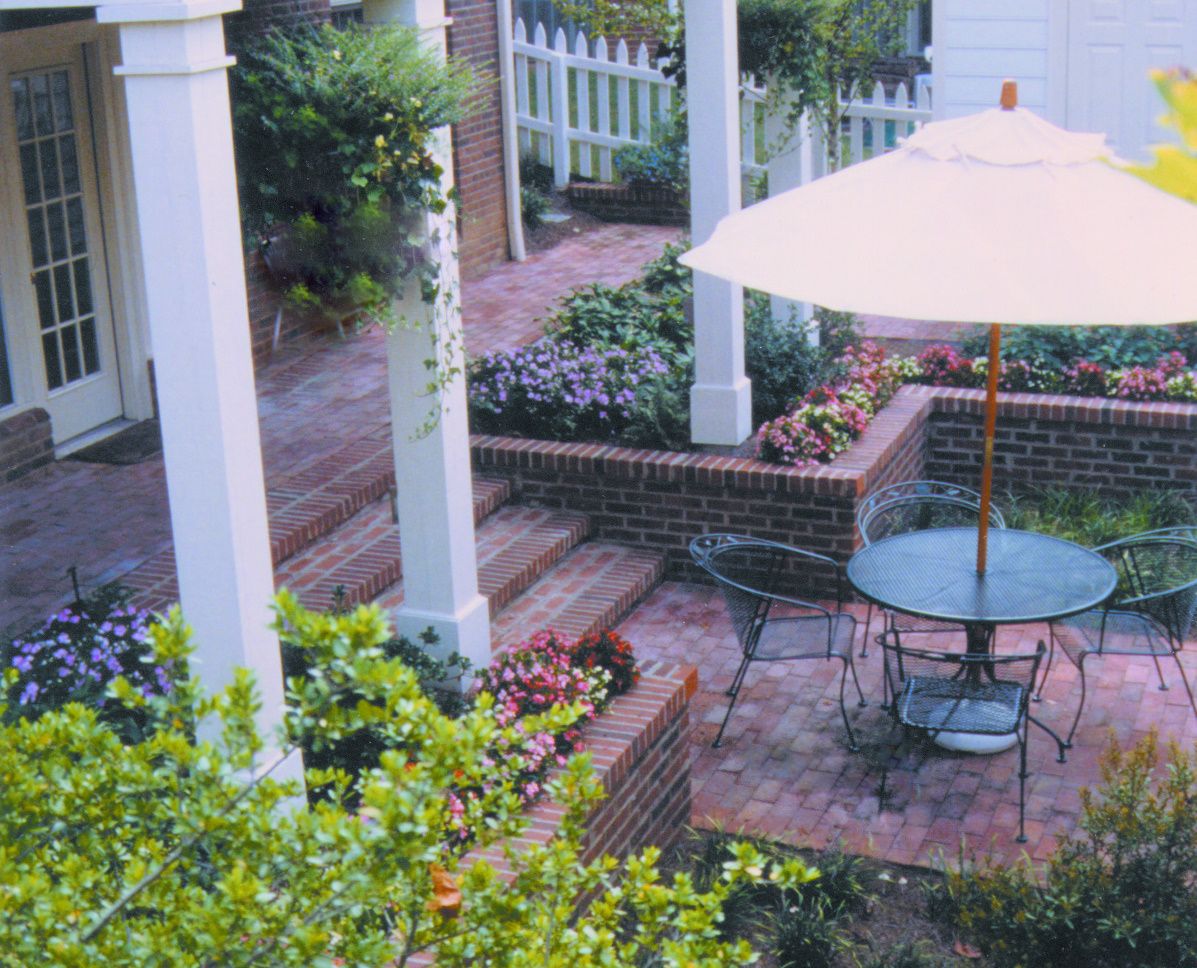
[[574, 109]]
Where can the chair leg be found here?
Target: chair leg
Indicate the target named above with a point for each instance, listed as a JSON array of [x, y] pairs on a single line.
[[1051, 655], [852, 745], [1022, 783], [734, 692], [1081, 705], [1185, 679], [864, 649], [1159, 672]]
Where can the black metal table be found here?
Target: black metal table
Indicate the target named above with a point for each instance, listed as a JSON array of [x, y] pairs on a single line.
[[1030, 578]]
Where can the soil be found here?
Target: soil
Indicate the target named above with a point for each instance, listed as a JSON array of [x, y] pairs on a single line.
[[894, 912], [548, 234]]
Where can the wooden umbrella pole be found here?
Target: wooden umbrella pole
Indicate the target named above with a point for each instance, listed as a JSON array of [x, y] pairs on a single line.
[[995, 363]]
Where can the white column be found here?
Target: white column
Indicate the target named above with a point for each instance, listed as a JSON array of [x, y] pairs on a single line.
[[186, 193], [788, 145], [721, 398], [435, 491]]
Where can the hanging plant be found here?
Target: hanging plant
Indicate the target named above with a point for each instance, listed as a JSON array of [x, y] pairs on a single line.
[[335, 151]]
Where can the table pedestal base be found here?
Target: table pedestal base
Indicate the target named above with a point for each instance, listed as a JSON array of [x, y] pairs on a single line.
[[976, 743]]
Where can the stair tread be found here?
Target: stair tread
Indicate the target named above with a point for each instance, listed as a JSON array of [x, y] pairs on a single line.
[[591, 588]]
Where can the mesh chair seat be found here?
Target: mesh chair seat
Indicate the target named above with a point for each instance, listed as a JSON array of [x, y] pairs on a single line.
[[960, 706], [805, 637], [1123, 633]]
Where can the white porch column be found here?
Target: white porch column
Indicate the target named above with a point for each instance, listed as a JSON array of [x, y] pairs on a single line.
[[174, 66], [721, 398], [789, 166], [435, 491]]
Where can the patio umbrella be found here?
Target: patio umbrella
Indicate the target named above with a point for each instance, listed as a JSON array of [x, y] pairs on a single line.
[[997, 217]]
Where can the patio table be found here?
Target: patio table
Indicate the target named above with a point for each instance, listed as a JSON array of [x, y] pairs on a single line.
[[933, 574]]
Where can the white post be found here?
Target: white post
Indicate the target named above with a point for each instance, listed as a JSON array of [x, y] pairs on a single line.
[[721, 398], [435, 494], [559, 96], [181, 137], [788, 146]]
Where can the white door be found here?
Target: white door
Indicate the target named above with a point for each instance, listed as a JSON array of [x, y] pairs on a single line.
[[1111, 46], [53, 277]]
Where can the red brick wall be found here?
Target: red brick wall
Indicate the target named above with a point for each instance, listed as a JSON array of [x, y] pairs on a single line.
[[639, 204], [259, 16], [25, 443], [478, 141], [1114, 447], [662, 500]]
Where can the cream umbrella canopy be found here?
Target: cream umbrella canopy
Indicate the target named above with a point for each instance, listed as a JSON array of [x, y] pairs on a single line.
[[1003, 218]]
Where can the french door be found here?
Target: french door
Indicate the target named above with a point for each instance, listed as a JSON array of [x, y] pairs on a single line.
[[53, 275]]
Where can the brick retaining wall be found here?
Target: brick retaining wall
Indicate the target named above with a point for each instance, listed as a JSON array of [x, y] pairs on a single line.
[[25, 443], [663, 499], [639, 204]]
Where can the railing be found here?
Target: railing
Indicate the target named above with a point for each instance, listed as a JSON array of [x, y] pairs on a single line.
[[576, 108]]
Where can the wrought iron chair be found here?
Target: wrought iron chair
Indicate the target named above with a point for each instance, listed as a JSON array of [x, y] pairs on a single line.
[[1151, 613], [916, 506], [964, 693], [757, 578]]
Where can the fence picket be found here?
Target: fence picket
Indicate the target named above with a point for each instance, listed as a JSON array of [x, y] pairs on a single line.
[[540, 75], [623, 94], [582, 77], [521, 88], [643, 108], [604, 109]]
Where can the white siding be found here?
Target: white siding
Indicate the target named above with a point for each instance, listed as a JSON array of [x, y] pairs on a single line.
[[978, 43]]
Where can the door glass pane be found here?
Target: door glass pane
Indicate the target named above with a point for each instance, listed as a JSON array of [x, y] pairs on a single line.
[[58, 245]]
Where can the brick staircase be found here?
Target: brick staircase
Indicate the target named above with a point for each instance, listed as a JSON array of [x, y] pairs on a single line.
[[332, 527]]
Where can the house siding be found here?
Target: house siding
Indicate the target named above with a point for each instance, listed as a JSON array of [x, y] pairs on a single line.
[[979, 43]]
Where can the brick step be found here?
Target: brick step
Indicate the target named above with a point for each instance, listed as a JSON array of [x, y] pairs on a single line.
[[331, 490], [515, 546], [318, 522], [591, 588]]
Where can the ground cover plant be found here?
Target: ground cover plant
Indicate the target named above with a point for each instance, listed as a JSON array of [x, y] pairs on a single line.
[[1090, 519], [184, 849], [1117, 894]]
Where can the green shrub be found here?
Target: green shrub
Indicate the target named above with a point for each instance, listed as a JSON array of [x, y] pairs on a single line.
[[806, 936], [1056, 348], [534, 206], [335, 159], [1090, 520], [1118, 894], [187, 851], [907, 954], [663, 164], [781, 362]]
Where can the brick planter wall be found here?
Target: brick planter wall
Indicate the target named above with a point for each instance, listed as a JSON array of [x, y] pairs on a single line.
[[1114, 447], [663, 499], [640, 751], [25, 443], [630, 203]]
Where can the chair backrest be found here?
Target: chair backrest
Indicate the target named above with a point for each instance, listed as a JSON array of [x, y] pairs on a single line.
[[755, 575], [1157, 576], [920, 506]]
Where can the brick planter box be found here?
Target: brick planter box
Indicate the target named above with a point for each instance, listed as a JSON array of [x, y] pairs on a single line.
[[25, 443], [640, 204], [661, 500]]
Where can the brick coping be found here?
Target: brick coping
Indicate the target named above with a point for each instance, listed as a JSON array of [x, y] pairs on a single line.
[[852, 473]]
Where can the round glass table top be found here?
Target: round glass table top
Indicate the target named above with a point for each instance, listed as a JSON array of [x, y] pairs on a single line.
[[1029, 578]]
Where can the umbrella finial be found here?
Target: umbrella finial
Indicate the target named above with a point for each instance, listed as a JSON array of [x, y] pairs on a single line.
[[1009, 95]]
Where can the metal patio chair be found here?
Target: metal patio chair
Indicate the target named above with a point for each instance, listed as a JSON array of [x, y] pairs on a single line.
[[772, 624], [916, 506], [963, 693], [1151, 613]]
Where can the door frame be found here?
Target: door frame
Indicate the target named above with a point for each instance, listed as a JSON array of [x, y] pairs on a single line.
[[117, 238]]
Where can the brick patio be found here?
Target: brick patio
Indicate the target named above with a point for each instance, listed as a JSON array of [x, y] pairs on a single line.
[[784, 769]]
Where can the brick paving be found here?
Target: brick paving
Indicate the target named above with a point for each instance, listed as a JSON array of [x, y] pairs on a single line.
[[784, 769], [319, 408]]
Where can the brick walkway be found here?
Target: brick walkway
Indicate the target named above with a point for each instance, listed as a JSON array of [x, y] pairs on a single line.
[[784, 769], [314, 404]]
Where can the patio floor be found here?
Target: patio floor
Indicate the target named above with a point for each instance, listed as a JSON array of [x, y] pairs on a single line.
[[784, 770]]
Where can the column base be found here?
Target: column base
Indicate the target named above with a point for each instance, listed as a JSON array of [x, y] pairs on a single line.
[[467, 631], [721, 414]]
